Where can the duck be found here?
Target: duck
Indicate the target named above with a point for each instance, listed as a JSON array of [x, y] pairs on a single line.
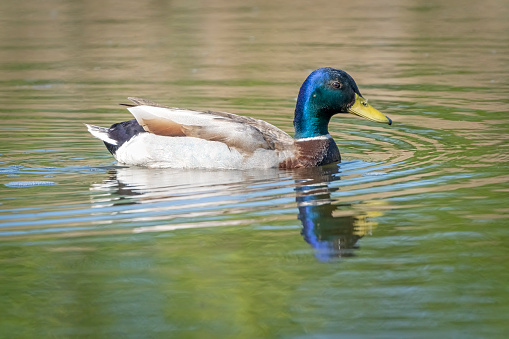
[[168, 137]]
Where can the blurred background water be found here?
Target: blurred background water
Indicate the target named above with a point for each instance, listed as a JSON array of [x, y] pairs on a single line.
[[406, 237]]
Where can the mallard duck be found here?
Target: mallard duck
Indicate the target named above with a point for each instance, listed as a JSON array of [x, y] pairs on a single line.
[[162, 136]]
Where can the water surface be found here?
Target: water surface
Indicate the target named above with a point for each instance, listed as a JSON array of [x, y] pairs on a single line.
[[406, 237]]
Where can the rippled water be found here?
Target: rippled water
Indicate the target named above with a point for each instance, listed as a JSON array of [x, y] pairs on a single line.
[[407, 237]]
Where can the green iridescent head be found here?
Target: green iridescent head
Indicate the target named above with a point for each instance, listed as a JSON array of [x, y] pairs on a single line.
[[325, 92]]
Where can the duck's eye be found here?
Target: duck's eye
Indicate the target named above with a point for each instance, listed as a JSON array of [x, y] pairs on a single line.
[[336, 84]]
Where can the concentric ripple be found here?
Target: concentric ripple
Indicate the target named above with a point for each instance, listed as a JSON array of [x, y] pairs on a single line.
[[337, 204]]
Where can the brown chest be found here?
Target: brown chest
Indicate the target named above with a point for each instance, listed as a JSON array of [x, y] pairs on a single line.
[[312, 152]]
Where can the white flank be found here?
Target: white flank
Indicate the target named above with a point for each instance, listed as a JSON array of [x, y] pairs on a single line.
[[155, 151], [101, 133]]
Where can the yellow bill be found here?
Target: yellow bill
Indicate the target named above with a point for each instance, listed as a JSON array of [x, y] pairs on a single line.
[[366, 111]]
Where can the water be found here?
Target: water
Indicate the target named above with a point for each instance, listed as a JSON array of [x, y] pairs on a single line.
[[407, 237]]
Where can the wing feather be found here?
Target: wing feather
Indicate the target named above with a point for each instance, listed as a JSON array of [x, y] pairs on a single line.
[[243, 133]]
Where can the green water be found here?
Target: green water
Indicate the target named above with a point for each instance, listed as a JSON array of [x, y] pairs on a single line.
[[406, 238]]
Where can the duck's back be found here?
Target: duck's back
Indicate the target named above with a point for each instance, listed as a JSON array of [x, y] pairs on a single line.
[[162, 136]]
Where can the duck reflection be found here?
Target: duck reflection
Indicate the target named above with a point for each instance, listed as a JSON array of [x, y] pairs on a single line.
[[149, 184], [331, 228]]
